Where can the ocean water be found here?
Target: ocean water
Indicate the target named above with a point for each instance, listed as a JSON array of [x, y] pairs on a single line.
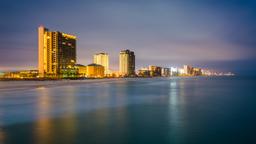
[[199, 110]]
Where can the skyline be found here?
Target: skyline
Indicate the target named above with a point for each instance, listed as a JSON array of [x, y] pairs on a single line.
[[212, 34]]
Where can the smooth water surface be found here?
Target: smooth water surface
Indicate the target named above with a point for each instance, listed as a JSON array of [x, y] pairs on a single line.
[[200, 110]]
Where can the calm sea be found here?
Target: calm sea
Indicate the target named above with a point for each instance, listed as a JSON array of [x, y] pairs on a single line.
[[199, 110]]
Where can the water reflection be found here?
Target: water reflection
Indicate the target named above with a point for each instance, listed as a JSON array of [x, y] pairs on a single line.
[[68, 123], [2, 136], [176, 108], [114, 116], [43, 125], [1, 123], [142, 111], [74, 121]]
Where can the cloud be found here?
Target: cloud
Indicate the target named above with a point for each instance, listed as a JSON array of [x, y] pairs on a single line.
[[167, 32]]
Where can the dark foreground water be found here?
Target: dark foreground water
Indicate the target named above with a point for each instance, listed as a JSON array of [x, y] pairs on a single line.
[[144, 111]]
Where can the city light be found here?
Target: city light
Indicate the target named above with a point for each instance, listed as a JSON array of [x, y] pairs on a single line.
[[57, 60]]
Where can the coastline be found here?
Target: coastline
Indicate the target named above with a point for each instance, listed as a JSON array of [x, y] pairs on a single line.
[[6, 86], [18, 84], [135, 77]]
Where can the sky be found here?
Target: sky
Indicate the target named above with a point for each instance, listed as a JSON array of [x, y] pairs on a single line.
[[214, 34]]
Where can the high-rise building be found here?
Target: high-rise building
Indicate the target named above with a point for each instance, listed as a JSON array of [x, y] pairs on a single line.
[[102, 59], [127, 63], [56, 52]]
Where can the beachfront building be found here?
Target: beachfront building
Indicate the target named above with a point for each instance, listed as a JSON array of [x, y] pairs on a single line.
[[192, 71], [102, 59], [94, 71], [188, 70], [21, 74], [127, 63], [81, 70], [56, 53], [1, 74], [197, 72], [155, 71], [174, 71], [144, 72], [165, 72]]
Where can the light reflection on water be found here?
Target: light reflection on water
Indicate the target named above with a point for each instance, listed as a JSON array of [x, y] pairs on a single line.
[[46, 129], [2, 134], [43, 125], [126, 111], [176, 109]]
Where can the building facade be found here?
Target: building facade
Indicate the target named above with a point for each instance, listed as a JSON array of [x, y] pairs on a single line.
[[165, 72], [102, 59], [155, 71], [127, 63], [21, 74], [56, 52], [197, 72], [94, 71], [174, 71], [192, 71], [81, 70], [143, 72], [188, 70]]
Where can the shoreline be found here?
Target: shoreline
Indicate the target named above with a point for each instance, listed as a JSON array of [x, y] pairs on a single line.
[[14, 85], [6, 86], [105, 78]]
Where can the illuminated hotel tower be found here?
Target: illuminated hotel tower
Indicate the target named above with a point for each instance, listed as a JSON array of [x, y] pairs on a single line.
[[102, 59], [127, 63], [56, 52]]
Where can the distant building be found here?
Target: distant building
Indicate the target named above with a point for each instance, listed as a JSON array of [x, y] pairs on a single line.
[[144, 72], [206, 72], [94, 71], [102, 59], [114, 74], [191, 71], [1, 74], [127, 63], [56, 52], [174, 71], [21, 74], [155, 71], [197, 72], [188, 70], [81, 70], [165, 72], [181, 72]]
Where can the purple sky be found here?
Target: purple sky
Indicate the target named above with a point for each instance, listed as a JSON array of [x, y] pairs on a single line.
[[218, 34]]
